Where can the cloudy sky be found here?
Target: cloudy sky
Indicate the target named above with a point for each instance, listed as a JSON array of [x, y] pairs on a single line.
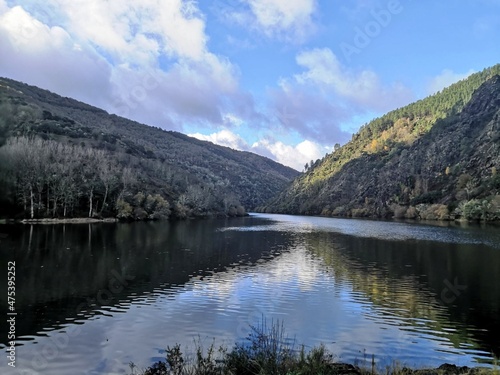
[[283, 78]]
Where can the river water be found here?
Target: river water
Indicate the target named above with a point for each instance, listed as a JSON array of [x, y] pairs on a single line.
[[91, 298]]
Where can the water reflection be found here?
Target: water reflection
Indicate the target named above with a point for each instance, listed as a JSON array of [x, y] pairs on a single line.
[[128, 290], [448, 291], [67, 269]]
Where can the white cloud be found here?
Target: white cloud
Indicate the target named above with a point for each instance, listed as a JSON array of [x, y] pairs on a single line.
[[189, 92], [363, 88], [137, 31], [49, 57], [293, 156], [232, 120], [224, 138], [309, 112], [147, 61], [150, 61], [326, 94], [291, 21], [445, 79], [276, 16], [312, 150]]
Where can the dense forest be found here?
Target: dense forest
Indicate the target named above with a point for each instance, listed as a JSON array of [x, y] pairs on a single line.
[[63, 158], [434, 159]]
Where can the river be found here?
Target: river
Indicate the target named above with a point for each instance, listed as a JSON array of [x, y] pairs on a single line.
[[91, 298]]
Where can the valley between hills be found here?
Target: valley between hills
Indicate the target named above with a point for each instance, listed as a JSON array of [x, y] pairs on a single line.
[[435, 159]]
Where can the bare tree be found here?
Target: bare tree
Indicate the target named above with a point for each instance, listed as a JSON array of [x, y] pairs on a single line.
[[106, 170], [21, 157], [87, 172], [128, 180], [67, 166]]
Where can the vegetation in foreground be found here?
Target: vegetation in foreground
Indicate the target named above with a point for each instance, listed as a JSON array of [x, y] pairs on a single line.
[[268, 350]]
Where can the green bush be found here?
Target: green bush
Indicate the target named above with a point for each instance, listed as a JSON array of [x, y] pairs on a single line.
[[475, 209], [157, 207], [433, 212], [123, 210], [411, 213]]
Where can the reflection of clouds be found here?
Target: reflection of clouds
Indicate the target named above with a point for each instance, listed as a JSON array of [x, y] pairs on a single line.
[[298, 266], [298, 287], [216, 286], [293, 269], [209, 307]]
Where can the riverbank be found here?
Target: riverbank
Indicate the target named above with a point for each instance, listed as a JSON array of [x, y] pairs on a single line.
[[91, 220], [76, 220], [318, 368], [267, 350]]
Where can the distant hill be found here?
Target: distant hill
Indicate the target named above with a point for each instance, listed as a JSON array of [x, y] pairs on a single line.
[[61, 157], [437, 158]]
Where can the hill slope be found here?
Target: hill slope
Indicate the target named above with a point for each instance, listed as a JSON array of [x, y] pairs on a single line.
[[64, 157], [434, 159]]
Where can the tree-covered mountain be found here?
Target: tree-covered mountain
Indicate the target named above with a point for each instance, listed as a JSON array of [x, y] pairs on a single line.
[[61, 157], [434, 159]]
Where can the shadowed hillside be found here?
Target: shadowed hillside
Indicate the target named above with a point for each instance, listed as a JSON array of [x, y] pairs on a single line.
[[61, 157]]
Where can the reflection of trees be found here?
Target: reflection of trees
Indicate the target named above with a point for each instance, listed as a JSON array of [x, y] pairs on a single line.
[[407, 279], [374, 281], [63, 266]]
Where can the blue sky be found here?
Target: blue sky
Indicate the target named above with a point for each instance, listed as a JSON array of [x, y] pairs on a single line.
[[283, 78]]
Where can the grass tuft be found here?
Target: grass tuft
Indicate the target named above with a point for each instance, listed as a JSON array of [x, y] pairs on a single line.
[[269, 351]]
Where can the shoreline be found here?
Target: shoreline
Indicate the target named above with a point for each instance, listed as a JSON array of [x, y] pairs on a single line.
[[88, 220], [264, 357], [337, 368], [76, 220]]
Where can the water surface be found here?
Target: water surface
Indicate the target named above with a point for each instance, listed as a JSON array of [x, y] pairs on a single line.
[[93, 297]]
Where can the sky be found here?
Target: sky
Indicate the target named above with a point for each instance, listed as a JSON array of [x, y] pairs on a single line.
[[287, 79]]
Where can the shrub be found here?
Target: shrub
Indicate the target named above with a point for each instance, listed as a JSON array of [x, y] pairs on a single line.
[[339, 211], [359, 212], [157, 207], [124, 210], [139, 198], [475, 209], [240, 210], [231, 211], [267, 351], [433, 212], [140, 213], [181, 211], [463, 180], [495, 181], [399, 211], [411, 213], [494, 208]]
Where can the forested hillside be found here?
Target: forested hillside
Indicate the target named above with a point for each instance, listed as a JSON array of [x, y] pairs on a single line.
[[434, 159], [63, 158]]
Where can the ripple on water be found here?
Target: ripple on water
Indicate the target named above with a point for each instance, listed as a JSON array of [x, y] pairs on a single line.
[[359, 304]]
